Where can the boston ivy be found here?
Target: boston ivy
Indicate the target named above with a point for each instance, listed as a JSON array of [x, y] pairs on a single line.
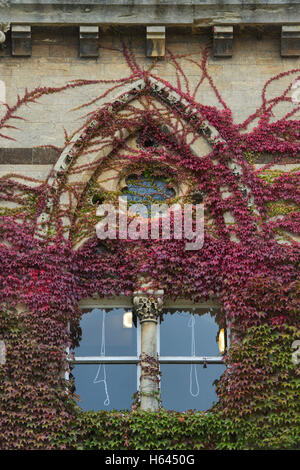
[[254, 277]]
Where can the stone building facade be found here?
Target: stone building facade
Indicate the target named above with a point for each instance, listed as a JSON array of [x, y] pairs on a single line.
[[259, 51], [78, 51]]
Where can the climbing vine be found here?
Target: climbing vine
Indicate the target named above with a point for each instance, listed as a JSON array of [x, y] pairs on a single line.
[[51, 259]]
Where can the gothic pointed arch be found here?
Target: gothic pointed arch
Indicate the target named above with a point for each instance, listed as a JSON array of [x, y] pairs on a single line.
[[111, 140]]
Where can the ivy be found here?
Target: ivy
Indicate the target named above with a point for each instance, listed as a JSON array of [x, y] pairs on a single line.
[[44, 274]]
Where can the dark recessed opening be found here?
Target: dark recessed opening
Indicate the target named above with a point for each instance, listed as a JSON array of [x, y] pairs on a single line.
[[148, 142], [97, 199], [197, 197], [101, 248]]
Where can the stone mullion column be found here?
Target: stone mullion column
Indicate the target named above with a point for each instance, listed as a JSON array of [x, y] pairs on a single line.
[[148, 310]]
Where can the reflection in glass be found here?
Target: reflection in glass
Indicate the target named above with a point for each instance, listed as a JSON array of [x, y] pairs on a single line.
[[176, 334], [127, 320], [222, 341], [121, 385], [119, 341], [176, 386]]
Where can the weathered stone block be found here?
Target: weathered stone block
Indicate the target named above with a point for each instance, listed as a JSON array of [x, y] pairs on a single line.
[[156, 41], [17, 156], [223, 40], [44, 156], [89, 41], [21, 40], [21, 156], [290, 41]]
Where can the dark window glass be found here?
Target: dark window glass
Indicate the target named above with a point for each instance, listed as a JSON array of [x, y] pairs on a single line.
[[182, 333], [176, 333], [109, 386], [113, 340], [113, 393], [179, 387], [188, 333]]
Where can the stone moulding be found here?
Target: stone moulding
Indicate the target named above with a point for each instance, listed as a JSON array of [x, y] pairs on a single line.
[[150, 12], [150, 86], [161, 92], [156, 89]]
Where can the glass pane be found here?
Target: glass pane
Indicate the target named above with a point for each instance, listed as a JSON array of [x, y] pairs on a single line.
[[103, 331], [178, 329], [147, 190], [114, 393], [179, 382]]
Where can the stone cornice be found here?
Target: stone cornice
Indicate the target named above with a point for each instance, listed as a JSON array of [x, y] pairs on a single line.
[[149, 12]]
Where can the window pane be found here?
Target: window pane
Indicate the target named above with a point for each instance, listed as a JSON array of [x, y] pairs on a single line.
[[176, 334], [178, 384], [121, 384], [114, 340], [147, 190]]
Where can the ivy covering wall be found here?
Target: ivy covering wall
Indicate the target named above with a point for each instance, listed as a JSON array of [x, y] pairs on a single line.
[[45, 271]]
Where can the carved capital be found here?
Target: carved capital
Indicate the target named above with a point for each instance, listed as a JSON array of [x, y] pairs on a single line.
[[4, 27], [147, 308]]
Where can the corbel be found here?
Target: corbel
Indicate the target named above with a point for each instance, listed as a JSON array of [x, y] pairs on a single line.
[[290, 41], [222, 41], [156, 41], [89, 41], [21, 40]]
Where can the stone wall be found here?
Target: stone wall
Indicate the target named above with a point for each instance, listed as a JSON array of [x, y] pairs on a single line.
[[55, 61]]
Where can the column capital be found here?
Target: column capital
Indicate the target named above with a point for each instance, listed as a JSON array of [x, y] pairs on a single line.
[[148, 308], [4, 27]]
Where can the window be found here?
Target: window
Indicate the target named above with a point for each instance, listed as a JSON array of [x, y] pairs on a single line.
[[148, 189], [105, 364], [106, 373], [190, 358]]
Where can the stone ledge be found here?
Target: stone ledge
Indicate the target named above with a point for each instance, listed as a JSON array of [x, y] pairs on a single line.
[[150, 12]]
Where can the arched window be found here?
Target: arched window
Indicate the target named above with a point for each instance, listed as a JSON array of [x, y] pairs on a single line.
[[148, 189]]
